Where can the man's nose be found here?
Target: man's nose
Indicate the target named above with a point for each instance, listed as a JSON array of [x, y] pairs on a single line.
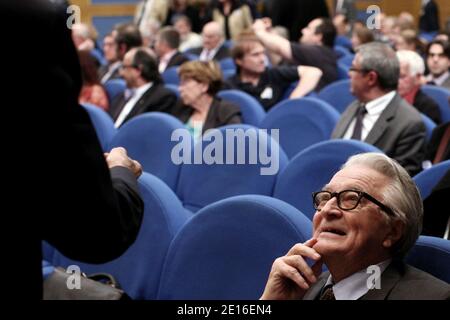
[[331, 208]]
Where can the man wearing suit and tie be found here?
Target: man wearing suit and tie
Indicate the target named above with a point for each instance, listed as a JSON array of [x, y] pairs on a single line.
[[166, 47], [380, 116], [145, 89], [213, 43], [367, 219]]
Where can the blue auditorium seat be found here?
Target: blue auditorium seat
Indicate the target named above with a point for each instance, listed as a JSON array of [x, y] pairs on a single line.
[[428, 179], [252, 111], [314, 167], [203, 184], [170, 76], [138, 270], [227, 64], [173, 88], [227, 249], [338, 95], [343, 71], [431, 255], [147, 139], [103, 124], [114, 88], [341, 51], [302, 123], [429, 125], [347, 60], [441, 96]]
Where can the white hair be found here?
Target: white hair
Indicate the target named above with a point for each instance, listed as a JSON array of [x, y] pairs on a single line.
[[413, 60]]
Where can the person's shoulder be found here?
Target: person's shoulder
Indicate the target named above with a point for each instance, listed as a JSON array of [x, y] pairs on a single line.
[[405, 111], [420, 285]]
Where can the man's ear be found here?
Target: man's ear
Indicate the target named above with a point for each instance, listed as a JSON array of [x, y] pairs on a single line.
[[396, 232]]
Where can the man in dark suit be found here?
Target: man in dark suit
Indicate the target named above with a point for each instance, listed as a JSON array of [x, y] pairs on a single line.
[[61, 191], [367, 219], [213, 43], [110, 71], [438, 62], [166, 47], [380, 116], [145, 89]]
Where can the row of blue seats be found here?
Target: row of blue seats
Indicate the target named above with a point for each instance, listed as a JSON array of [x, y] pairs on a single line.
[[225, 251], [148, 138]]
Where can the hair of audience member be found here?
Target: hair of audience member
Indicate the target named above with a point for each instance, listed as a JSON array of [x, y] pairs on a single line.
[[89, 67], [444, 44], [413, 60], [170, 36], [328, 31], [400, 194], [245, 43], [129, 35], [381, 58], [207, 72], [364, 34], [183, 18], [147, 65], [411, 37]]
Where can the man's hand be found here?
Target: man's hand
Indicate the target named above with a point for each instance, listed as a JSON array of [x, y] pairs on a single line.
[[118, 157], [262, 25], [291, 276]]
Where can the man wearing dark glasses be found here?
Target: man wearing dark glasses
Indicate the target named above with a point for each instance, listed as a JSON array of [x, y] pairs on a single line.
[[367, 219]]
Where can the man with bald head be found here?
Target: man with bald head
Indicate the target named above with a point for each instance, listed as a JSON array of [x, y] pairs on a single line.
[[213, 43]]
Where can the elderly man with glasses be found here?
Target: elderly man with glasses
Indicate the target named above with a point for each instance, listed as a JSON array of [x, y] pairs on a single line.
[[367, 218]]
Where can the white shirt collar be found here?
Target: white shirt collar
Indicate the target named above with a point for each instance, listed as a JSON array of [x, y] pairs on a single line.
[[378, 105], [357, 284], [211, 53], [441, 79], [164, 61], [138, 93]]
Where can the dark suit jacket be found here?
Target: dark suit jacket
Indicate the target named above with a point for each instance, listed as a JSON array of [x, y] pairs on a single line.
[[222, 53], [435, 217], [157, 98], [433, 145], [104, 69], [61, 191], [399, 132], [221, 113], [427, 106], [177, 60], [398, 282]]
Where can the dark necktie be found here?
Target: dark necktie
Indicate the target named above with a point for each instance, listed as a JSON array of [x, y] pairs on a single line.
[[327, 293], [431, 83], [360, 113]]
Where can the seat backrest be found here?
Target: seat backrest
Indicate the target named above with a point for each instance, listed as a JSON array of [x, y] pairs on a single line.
[[236, 169], [138, 270], [227, 64], [347, 60], [302, 123], [173, 88], [338, 95], [428, 179], [429, 125], [341, 51], [441, 96], [103, 124], [314, 167], [252, 111], [431, 255], [170, 76], [342, 71], [147, 139], [226, 250], [114, 88]]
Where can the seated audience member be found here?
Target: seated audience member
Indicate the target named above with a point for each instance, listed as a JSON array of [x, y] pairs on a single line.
[[429, 16], [200, 109], [166, 48], [380, 116], [268, 85], [126, 36], [412, 68], [188, 39], [83, 37], [409, 40], [233, 16], [213, 43], [438, 62], [436, 220], [111, 69], [92, 91], [90, 209], [361, 35], [315, 48], [178, 8], [367, 218], [146, 91]]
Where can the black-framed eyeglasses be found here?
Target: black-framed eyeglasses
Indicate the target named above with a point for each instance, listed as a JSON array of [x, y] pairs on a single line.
[[128, 66], [346, 200]]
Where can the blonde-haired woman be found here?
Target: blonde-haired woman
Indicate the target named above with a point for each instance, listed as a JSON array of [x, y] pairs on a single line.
[[200, 109]]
